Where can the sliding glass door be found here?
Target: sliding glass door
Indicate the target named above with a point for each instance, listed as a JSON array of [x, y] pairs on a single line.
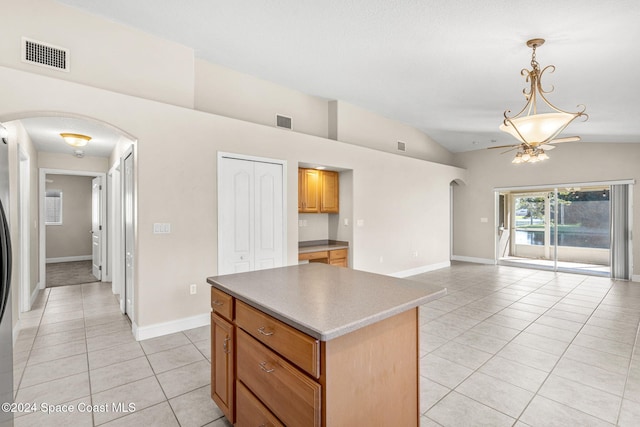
[[562, 229]]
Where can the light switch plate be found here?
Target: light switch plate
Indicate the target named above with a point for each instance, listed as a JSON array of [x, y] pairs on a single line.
[[161, 228]]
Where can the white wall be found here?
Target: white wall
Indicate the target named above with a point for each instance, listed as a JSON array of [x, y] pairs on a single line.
[[108, 55], [569, 163], [315, 226], [226, 92], [103, 54], [19, 137], [70, 162], [403, 202], [352, 124]]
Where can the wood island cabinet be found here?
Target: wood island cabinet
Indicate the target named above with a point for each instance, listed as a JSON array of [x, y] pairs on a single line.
[[222, 353], [284, 377], [318, 191]]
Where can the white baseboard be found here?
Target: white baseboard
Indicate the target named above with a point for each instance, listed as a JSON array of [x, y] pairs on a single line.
[[34, 295], [70, 259], [159, 329], [473, 259], [16, 332], [420, 270], [635, 278]]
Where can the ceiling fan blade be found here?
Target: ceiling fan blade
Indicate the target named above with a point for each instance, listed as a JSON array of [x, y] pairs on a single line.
[[513, 147], [504, 146], [547, 147], [565, 139]]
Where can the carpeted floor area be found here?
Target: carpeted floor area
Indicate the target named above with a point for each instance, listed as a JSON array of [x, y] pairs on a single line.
[[69, 273]]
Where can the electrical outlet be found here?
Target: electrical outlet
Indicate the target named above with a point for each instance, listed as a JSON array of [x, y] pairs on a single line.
[[193, 289]]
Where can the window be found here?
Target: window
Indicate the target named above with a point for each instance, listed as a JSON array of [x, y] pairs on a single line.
[[53, 207]]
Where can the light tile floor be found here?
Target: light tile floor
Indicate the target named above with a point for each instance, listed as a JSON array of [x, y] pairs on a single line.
[[506, 346], [76, 349], [517, 347]]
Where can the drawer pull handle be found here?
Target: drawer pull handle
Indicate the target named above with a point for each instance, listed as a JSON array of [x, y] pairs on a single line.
[[217, 303], [261, 330], [225, 345], [263, 366]]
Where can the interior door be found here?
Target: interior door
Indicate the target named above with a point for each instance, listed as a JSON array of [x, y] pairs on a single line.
[[129, 241], [96, 227], [236, 232], [250, 210], [268, 222]]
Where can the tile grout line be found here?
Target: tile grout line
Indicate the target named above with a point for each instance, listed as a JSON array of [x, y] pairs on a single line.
[[562, 355], [634, 351], [533, 321], [495, 354]]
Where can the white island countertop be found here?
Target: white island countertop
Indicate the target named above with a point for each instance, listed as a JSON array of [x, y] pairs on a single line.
[[325, 301]]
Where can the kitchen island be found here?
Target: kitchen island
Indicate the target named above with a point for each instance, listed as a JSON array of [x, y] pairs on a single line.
[[316, 345]]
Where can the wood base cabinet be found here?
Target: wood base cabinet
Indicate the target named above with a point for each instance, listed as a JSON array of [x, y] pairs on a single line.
[[339, 257], [251, 412], [284, 377], [222, 366]]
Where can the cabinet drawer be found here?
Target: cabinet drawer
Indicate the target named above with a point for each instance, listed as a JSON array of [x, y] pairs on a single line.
[[299, 348], [338, 254], [292, 396], [313, 255], [222, 303], [251, 412]]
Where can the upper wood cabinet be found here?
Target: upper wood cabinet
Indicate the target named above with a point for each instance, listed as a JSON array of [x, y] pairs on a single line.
[[318, 191], [308, 190], [329, 191]]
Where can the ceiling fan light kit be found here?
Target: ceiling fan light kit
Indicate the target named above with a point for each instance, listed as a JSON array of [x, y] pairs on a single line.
[[535, 130]]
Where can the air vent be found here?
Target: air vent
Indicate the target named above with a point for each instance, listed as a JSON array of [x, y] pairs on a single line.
[[45, 55], [283, 122], [402, 146]]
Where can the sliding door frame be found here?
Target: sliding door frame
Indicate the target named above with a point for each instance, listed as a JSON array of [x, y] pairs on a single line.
[[553, 189]]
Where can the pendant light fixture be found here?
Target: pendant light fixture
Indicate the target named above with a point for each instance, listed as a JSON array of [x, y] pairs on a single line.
[[534, 128], [75, 139]]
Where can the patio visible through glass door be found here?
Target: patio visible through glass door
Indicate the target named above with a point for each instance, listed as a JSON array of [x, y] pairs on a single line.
[[563, 229]]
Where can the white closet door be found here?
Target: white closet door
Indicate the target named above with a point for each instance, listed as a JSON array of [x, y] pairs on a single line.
[[236, 208], [250, 209], [268, 221]]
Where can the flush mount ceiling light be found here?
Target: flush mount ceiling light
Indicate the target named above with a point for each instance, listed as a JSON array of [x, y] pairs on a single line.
[[536, 130], [75, 139]]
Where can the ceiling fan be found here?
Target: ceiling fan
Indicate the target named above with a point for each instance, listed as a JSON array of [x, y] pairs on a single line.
[[534, 152], [537, 131]]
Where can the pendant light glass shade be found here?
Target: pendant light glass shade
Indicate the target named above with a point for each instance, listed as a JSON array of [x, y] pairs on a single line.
[[537, 129]]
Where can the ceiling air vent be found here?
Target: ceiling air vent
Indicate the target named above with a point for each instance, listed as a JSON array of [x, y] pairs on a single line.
[[283, 122], [45, 55], [402, 146]]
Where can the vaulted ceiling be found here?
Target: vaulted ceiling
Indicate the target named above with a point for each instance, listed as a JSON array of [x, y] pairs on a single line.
[[449, 68]]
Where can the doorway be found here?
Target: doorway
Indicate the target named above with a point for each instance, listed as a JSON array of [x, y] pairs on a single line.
[[251, 214], [563, 228], [72, 250]]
